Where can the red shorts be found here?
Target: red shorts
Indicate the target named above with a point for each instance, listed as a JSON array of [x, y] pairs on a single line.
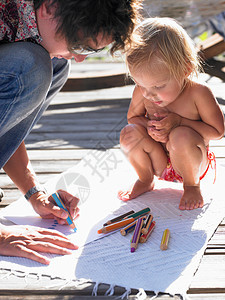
[[169, 174]]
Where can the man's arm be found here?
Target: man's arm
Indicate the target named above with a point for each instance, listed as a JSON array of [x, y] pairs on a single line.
[[19, 169]]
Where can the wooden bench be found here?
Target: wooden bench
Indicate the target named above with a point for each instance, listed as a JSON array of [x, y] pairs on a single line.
[[211, 47]]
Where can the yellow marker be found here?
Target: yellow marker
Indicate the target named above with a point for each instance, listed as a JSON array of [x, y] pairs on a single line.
[[165, 239]]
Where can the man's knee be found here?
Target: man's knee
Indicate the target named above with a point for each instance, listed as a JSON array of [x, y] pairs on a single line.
[[28, 62], [26, 75]]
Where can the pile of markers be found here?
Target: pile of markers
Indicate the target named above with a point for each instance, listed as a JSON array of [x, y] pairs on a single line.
[[140, 222]]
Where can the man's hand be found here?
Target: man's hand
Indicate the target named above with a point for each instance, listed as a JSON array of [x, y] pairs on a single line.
[[28, 241], [46, 207]]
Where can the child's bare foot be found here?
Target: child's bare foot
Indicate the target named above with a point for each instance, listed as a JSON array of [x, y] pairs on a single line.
[[192, 198], [137, 189]]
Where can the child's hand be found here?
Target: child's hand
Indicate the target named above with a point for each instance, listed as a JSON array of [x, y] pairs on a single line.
[[45, 206], [160, 129], [157, 135]]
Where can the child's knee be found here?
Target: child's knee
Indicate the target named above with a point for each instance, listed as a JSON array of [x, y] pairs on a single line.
[[131, 136], [180, 139]]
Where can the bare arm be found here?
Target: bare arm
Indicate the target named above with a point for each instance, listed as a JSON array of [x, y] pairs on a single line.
[[211, 125], [19, 169], [136, 112]]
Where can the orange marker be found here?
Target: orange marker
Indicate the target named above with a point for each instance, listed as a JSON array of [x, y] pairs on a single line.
[[119, 218], [165, 239], [116, 225], [144, 237]]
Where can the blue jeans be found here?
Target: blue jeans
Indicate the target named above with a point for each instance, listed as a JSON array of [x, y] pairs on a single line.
[[29, 79]]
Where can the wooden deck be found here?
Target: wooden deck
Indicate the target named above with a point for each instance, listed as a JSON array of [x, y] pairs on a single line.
[[74, 123]]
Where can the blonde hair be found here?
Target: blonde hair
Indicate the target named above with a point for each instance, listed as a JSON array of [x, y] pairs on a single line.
[[166, 39]]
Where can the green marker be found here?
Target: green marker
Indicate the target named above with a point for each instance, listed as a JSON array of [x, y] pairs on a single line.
[[139, 214]]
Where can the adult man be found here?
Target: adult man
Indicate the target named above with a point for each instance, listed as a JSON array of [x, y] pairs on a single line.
[[36, 40]]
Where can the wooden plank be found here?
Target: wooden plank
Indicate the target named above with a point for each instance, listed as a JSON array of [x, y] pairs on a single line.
[[100, 76], [217, 143], [94, 113], [65, 154], [99, 82], [210, 275], [72, 144], [218, 151], [120, 96], [218, 238], [51, 154], [209, 296], [57, 127], [7, 183], [73, 294], [55, 288], [78, 100], [215, 68], [10, 195], [212, 46], [52, 166], [82, 139], [71, 136]]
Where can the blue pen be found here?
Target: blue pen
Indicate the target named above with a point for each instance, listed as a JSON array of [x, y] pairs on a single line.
[[60, 204]]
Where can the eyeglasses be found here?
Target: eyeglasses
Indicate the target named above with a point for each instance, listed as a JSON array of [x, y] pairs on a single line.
[[84, 51]]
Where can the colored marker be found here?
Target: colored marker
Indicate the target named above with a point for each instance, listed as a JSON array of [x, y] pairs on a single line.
[[140, 213], [165, 239], [147, 224], [60, 204], [144, 237], [118, 218], [136, 235], [124, 231], [115, 226]]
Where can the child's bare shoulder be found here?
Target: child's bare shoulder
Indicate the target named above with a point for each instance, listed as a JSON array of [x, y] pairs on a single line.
[[137, 92], [137, 95], [200, 90]]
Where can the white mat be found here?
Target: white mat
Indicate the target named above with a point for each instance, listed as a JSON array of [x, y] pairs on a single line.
[[109, 260]]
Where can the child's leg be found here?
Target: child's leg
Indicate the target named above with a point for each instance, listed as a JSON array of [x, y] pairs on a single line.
[[188, 155], [146, 156]]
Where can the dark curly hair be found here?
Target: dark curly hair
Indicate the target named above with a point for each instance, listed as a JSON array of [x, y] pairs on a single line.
[[112, 17]]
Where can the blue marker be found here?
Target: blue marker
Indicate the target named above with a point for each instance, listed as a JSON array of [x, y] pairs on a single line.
[[60, 204]]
